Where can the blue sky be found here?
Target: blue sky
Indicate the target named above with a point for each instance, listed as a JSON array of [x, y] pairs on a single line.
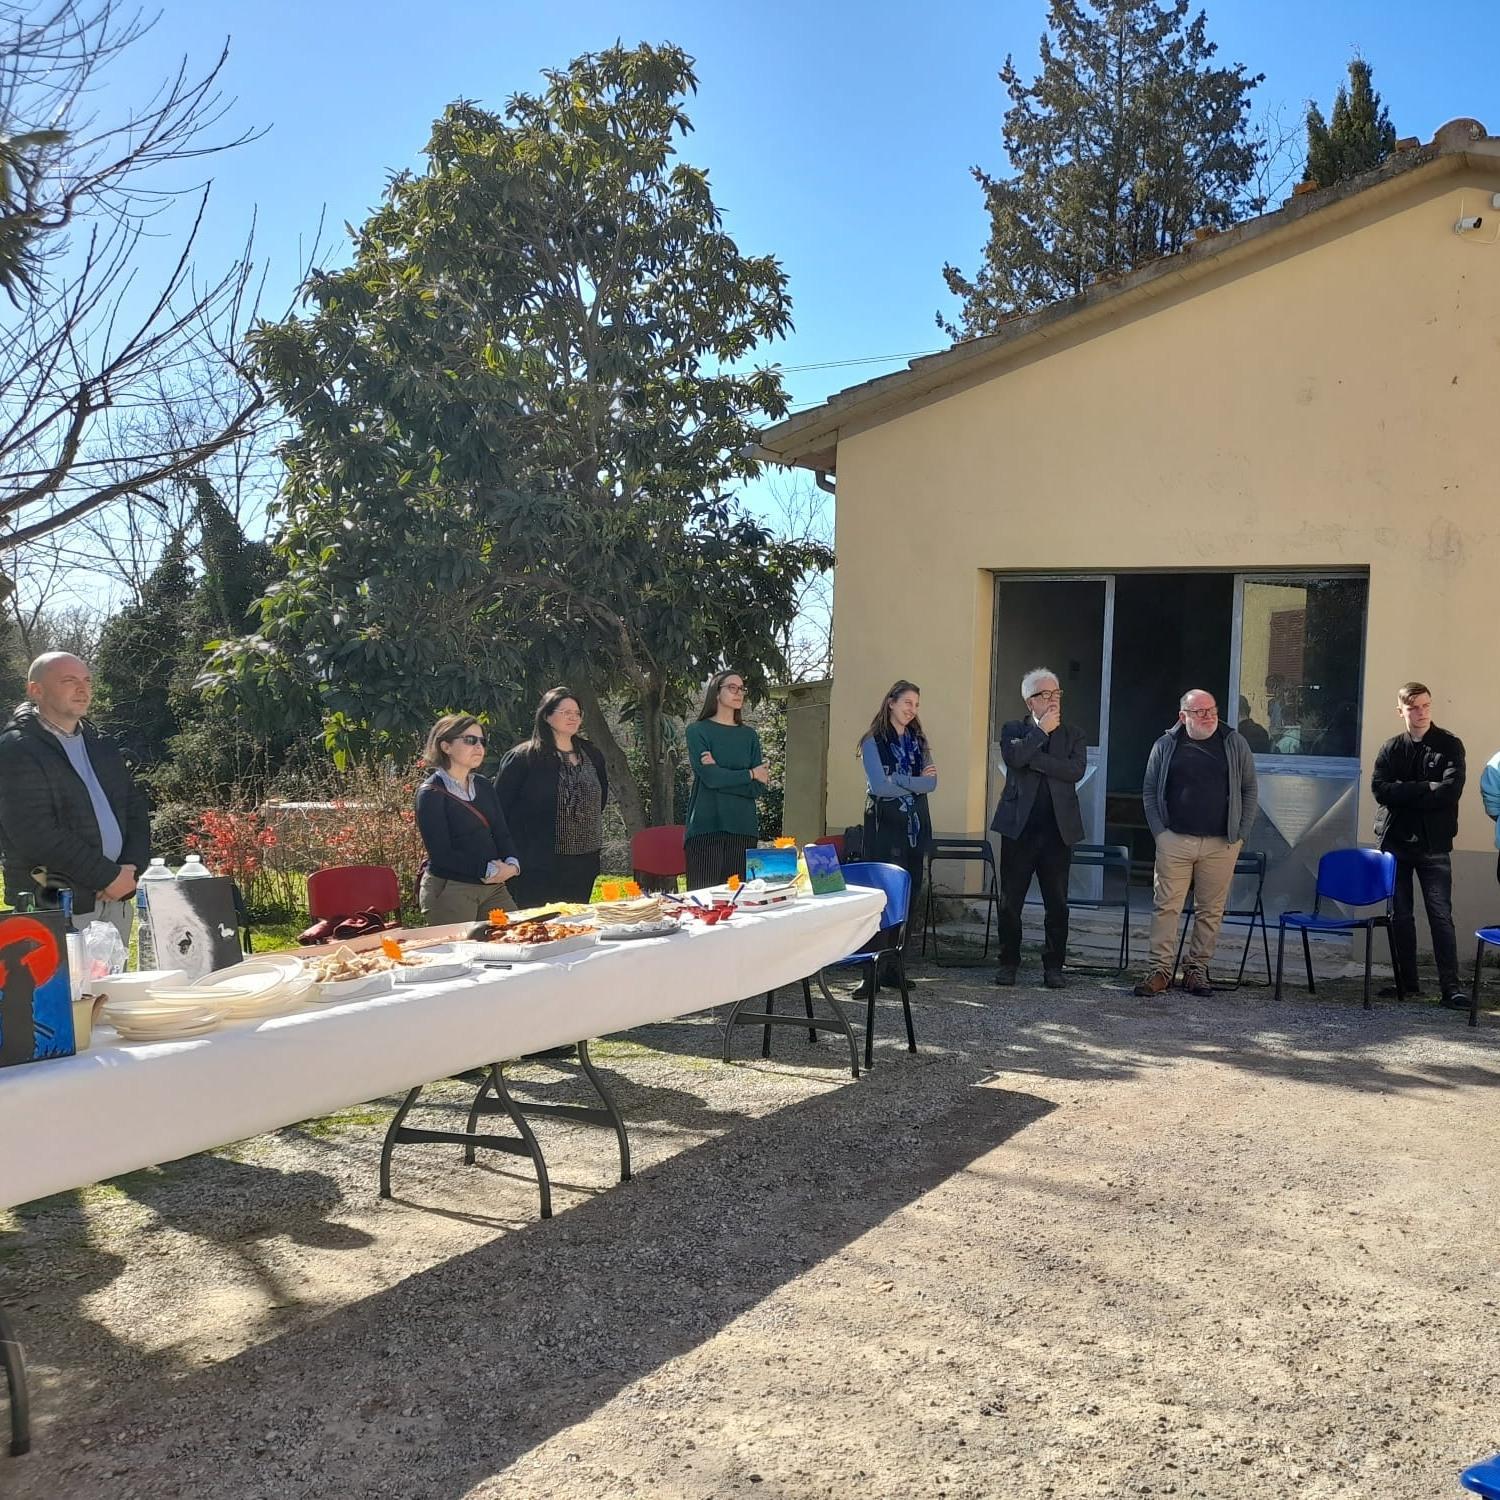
[[838, 136]]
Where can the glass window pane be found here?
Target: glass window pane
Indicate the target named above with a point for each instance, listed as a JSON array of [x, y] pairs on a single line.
[[1301, 660]]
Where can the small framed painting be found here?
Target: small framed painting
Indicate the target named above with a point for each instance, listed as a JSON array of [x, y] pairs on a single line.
[[36, 1000], [824, 873], [771, 865]]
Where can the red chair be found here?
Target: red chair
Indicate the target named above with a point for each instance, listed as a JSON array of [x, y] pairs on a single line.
[[344, 890], [656, 854], [836, 839]]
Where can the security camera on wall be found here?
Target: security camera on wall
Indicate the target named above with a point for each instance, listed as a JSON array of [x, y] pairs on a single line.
[[1465, 226]]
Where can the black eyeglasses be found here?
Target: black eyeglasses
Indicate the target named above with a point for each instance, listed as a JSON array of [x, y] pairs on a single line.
[[470, 739]]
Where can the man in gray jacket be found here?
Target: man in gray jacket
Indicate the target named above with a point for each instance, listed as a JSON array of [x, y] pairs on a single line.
[[1201, 799]]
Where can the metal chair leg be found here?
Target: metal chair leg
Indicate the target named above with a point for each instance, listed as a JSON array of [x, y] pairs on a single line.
[[1265, 937], [911, 1036], [14, 1359], [765, 1039], [1187, 917], [1474, 988], [812, 1034], [991, 902], [874, 967], [1280, 952], [1369, 951], [1312, 988]]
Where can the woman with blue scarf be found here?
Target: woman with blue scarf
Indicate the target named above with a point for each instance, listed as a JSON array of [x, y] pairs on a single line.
[[899, 770]]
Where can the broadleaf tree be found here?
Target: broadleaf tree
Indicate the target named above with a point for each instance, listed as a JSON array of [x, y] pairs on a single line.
[[1360, 135], [1129, 139], [522, 416]]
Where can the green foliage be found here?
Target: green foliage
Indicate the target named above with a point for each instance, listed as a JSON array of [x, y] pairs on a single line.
[[139, 653], [1128, 140], [522, 413], [1360, 137]]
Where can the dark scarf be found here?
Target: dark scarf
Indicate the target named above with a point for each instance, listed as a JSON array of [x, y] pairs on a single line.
[[906, 752]]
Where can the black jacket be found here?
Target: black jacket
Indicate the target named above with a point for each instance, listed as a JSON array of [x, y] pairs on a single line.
[[1418, 784], [527, 787], [46, 817], [462, 838], [1029, 755]]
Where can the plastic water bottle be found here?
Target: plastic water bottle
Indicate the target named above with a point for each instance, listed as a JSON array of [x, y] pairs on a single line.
[[145, 949], [193, 868]]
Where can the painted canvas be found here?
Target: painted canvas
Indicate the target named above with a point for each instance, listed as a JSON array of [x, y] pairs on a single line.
[[824, 873], [771, 865], [192, 924], [36, 1000]]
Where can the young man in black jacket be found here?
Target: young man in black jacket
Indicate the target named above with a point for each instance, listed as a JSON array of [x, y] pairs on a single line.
[[1419, 778], [68, 803]]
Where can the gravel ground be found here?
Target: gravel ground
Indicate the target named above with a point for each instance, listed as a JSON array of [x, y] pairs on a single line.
[[1080, 1245]]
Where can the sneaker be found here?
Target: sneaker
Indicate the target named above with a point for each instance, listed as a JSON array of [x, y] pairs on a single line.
[[1456, 1001], [1157, 982], [1005, 977], [1053, 980], [1195, 982]]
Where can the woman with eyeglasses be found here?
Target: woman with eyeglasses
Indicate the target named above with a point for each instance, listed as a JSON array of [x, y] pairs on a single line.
[[899, 773], [729, 774], [553, 788], [470, 853]]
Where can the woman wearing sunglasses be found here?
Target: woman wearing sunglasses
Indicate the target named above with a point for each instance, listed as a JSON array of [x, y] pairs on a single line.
[[470, 853]]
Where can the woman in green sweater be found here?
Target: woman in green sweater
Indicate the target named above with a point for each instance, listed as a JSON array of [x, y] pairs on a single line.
[[728, 775]]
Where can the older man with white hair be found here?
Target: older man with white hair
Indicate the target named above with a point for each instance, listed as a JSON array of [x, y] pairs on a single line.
[[1201, 799], [1038, 821], [71, 815]]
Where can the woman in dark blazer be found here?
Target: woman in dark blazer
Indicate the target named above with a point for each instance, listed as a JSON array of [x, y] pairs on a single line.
[[553, 788], [470, 854]]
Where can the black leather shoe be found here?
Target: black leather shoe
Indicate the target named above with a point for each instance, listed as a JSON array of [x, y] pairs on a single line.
[[1053, 980], [1005, 978], [1388, 992], [1456, 1001]]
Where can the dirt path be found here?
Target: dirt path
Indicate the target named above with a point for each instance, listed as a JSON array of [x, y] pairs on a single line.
[[1075, 1247]]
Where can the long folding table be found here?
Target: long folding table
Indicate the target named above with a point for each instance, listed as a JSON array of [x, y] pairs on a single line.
[[120, 1107]]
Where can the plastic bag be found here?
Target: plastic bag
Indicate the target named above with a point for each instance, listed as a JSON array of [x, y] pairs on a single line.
[[103, 950]]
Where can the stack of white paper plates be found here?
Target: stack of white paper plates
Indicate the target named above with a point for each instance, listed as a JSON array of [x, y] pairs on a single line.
[[150, 1021]]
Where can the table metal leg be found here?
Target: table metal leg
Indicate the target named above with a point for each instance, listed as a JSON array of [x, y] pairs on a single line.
[[739, 1016], [14, 1360]]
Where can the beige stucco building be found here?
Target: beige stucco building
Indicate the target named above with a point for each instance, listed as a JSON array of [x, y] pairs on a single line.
[[1268, 466]]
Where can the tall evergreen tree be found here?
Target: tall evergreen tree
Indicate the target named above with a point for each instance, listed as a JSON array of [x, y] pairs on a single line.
[[1128, 140], [138, 656], [1360, 137]]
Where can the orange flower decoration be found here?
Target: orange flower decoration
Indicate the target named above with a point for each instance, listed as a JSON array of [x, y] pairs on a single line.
[[632, 889], [784, 844], [610, 891], [499, 917], [391, 948], [733, 882]]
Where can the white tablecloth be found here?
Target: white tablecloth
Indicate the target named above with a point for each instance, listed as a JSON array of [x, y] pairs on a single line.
[[117, 1108]]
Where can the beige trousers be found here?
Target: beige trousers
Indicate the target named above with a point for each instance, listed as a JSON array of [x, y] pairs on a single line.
[[1186, 863], [445, 901]]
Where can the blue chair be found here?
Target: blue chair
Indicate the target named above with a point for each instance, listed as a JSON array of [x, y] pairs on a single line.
[[896, 884], [1483, 1478], [1488, 937], [1352, 877]]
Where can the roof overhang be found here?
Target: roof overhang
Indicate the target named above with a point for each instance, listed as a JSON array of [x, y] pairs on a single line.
[[810, 439]]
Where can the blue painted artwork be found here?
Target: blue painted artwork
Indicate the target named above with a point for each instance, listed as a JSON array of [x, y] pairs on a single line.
[[771, 865], [36, 1000]]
